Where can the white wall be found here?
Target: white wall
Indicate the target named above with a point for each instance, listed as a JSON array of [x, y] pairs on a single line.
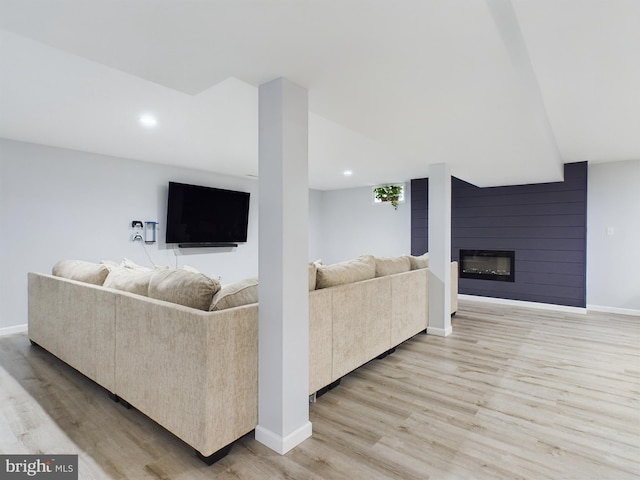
[[315, 225], [613, 236], [57, 203], [348, 224]]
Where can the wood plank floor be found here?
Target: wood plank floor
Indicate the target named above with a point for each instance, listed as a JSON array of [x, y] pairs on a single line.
[[513, 393]]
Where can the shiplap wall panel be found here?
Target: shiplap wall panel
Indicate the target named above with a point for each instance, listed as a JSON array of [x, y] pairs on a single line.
[[419, 216], [574, 208], [545, 224]]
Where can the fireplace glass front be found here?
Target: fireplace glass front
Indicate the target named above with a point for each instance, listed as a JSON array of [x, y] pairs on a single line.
[[496, 265]]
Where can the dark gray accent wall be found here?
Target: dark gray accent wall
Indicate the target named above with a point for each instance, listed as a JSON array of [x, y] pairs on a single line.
[[545, 224], [419, 216]]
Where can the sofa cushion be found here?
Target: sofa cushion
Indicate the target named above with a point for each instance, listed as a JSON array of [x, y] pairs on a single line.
[[134, 266], [418, 262], [392, 265], [128, 280], [313, 273], [81, 271], [236, 294], [111, 265], [358, 269], [195, 290]]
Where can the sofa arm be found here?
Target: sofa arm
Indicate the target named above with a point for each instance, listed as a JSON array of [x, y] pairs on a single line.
[[193, 372], [74, 321], [320, 339], [361, 316], [409, 304], [454, 287]]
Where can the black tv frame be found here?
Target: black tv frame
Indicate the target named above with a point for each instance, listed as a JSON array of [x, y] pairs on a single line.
[[199, 224]]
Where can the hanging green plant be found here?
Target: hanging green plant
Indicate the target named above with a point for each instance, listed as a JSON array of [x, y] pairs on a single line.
[[388, 193]]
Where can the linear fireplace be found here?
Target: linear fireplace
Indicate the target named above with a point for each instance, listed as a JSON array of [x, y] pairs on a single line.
[[496, 265]]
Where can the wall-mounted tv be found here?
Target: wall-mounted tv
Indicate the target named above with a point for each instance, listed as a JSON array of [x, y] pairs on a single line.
[[206, 216]]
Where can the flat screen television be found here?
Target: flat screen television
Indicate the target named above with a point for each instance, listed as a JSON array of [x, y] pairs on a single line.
[[206, 216]]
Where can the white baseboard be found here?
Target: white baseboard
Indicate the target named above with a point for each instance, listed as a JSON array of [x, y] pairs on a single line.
[[521, 303], [439, 332], [620, 311], [12, 330], [281, 444]]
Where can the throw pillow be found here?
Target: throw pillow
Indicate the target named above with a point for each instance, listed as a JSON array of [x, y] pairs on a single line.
[[236, 294], [133, 266], [110, 264]]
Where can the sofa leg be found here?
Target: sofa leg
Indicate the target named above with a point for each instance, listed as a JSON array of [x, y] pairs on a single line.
[[324, 390], [119, 400], [388, 352], [214, 457], [313, 397], [335, 384], [321, 392]]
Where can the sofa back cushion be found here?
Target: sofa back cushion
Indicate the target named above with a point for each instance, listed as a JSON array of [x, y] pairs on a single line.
[[418, 262], [392, 265], [236, 294], [195, 290], [356, 270], [81, 271], [128, 280], [313, 275]]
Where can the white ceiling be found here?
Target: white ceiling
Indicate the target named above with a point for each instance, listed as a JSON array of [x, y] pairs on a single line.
[[504, 92]]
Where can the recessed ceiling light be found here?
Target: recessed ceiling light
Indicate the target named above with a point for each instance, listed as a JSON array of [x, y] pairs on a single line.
[[148, 120], [347, 173]]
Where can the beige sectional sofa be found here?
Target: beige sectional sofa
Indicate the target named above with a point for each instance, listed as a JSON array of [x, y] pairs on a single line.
[[184, 351], [192, 371]]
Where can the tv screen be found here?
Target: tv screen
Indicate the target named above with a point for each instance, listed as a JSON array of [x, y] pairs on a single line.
[[206, 215]]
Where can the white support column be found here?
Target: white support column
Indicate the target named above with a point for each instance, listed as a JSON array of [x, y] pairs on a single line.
[[439, 250], [283, 345]]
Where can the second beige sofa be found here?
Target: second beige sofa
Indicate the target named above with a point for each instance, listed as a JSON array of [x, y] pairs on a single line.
[[352, 323]]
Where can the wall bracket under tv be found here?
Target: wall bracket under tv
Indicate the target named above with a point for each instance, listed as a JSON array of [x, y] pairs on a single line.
[[206, 244]]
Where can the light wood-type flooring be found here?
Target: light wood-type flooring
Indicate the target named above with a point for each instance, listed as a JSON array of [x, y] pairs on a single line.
[[512, 393]]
